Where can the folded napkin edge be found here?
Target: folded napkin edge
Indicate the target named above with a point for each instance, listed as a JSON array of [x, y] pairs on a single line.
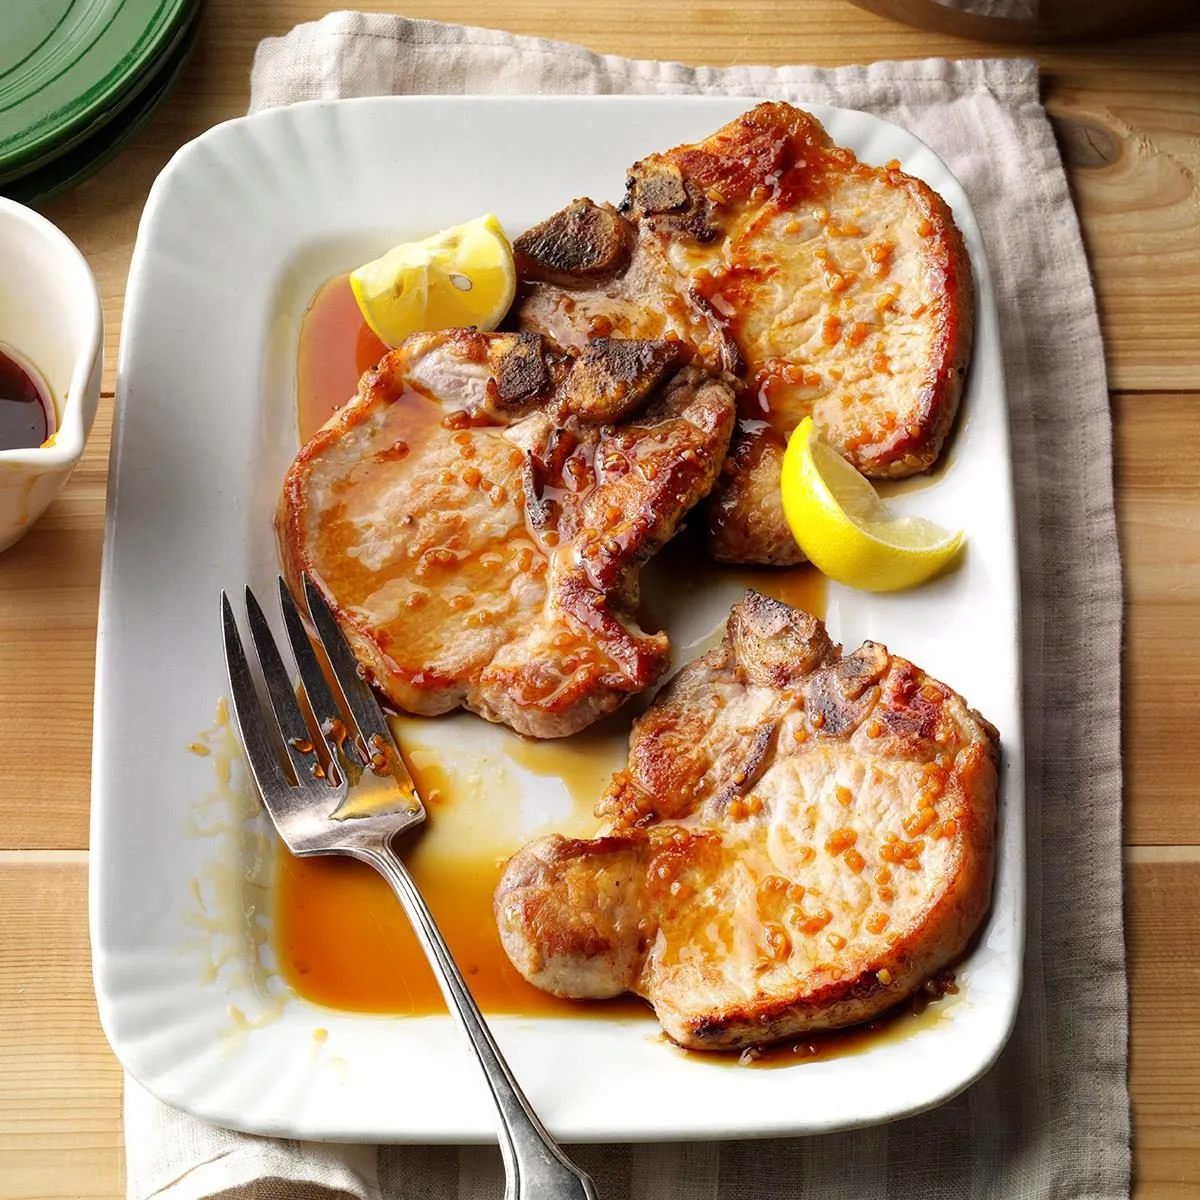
[[1013, 78]]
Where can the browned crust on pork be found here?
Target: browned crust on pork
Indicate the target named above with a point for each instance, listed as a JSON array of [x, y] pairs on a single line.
[[772, 158], [745, 513], [614, 376], [860, 995], [585, 241], [747, 154], [586, 917], [936, 405], [602, 408]]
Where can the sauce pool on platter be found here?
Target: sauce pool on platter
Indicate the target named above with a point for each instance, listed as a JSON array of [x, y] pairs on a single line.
[[336, 347], [341, 935]]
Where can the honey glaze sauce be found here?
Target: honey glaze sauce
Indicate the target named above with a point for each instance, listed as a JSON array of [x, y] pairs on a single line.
[[336, 347], [341, 937]]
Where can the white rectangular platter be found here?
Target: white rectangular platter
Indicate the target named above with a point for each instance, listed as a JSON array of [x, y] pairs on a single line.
[[240, 229]]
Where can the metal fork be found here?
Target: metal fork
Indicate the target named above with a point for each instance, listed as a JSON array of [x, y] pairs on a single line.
[[354, 800]]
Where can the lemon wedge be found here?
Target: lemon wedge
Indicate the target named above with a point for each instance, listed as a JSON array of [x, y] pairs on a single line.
[[846, 530], [459, 277]]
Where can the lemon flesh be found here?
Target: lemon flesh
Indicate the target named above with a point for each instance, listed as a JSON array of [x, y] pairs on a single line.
[[844, 528], [460, 277]]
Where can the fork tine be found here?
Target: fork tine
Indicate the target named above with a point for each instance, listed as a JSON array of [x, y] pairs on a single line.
[[325, 708], [297, 737], [368, 716], [251, 720]]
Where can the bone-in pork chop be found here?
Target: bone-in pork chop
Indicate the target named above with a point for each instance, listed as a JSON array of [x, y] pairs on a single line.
[[829, 286], [799, 841], [478, 515]]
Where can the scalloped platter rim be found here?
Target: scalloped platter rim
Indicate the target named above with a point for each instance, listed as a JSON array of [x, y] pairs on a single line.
[[240, 228]]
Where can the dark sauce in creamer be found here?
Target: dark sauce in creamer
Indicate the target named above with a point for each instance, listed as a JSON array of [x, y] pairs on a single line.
[[26, 410]]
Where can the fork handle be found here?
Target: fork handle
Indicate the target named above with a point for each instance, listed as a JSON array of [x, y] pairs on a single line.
[[534, 1166]]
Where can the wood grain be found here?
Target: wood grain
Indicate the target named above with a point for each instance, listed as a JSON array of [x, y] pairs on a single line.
[[60, 1128], [1163, 923], [60, 1087], [49, 591], [1158, 489], [1132, 147], [1136, 99]]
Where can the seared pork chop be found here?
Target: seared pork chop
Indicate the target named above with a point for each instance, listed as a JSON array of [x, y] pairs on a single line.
[[478, 515], [831, 287], [800, 840]]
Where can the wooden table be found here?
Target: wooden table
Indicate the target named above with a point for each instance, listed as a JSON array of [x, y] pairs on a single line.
[[1129, 118]]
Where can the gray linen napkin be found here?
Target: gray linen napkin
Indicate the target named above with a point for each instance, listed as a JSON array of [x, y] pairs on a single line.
[[1052, 1117]]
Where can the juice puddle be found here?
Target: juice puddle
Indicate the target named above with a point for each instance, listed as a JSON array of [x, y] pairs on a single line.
[[340, 934], [802, 587], [343, 941], [336, 347]]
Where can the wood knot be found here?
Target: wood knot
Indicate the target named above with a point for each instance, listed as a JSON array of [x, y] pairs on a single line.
[[1086, 144]]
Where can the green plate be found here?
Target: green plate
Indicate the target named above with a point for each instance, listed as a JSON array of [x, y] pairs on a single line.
[[66, 66], [44, 182]]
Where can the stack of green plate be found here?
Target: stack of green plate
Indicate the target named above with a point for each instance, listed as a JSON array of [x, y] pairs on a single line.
[[78, 78]]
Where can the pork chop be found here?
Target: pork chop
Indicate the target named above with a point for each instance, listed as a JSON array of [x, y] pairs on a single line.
[[829, 286], [800, 840], [478, 515]]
